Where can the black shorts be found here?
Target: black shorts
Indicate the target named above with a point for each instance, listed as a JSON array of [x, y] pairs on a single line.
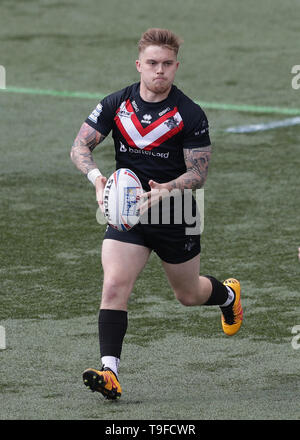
[[170, 242]]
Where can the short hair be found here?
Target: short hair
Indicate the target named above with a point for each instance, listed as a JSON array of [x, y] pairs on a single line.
[[160, 37]]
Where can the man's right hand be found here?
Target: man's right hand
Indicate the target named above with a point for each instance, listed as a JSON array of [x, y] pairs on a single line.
[[100, 185]]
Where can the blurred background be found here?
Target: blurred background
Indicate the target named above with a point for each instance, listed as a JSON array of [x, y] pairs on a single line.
[[61, 58]]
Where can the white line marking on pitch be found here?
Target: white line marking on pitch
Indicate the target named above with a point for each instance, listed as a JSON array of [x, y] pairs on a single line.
[[266, 126]]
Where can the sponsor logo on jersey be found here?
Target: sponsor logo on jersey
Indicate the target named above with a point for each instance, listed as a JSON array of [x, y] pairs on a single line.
[[96, 113], [146, 119], [203, 129], [164, 111], [135, 106], [123, 148], [146, 138], [149, 153]]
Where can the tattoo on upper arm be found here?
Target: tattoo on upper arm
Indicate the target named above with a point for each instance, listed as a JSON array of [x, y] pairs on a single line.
[[196, 160], [86, 141], [88, 137]]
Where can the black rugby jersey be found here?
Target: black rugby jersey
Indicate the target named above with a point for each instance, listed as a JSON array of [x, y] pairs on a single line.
[[149, 137]]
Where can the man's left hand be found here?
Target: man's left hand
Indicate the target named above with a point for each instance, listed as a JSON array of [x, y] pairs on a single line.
[[158, 192]]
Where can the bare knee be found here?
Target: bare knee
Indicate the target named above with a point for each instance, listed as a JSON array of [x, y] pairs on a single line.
[[115, 292], [185, 298], [188, 299]]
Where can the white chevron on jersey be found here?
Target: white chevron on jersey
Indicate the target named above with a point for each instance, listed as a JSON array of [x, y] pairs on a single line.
[[151, 136]]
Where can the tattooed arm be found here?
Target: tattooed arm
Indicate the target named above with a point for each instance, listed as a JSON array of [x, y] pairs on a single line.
[[81, 155], [85, 142], [196, 160]]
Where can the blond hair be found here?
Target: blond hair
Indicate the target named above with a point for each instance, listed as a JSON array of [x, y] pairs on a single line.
[[160, 37]]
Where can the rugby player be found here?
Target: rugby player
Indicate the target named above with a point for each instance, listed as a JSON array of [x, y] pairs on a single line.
[[163, 136]]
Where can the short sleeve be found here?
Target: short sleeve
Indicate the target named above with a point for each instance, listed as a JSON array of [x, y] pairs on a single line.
[[102, 117], [196, 133]]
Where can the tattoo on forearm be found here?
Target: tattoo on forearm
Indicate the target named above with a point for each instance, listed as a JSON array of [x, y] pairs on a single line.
[[81, 153], [196, 169]]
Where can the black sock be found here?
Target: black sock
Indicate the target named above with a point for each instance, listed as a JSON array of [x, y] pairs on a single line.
[[219, 294], [112, 326]]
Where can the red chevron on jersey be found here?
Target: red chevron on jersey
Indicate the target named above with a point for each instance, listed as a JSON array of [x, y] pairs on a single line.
[[151, 136]]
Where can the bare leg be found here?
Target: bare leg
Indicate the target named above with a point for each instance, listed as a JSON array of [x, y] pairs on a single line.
[[189, 288], [122, 263]]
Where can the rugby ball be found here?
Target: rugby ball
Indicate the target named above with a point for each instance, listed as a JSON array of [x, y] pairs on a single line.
[[120, 199]]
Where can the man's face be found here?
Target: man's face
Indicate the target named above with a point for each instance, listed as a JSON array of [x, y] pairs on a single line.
[[157, 66]]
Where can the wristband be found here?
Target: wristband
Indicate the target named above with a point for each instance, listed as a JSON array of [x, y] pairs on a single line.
[[93, 174]]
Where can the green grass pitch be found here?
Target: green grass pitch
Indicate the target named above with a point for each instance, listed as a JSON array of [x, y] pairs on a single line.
[[176, 362]]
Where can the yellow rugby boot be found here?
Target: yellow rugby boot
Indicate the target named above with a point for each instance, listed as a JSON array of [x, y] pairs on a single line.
[[232, 315], [104, 381]]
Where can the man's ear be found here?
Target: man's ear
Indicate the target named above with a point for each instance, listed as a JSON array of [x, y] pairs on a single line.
[[138, 65]]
